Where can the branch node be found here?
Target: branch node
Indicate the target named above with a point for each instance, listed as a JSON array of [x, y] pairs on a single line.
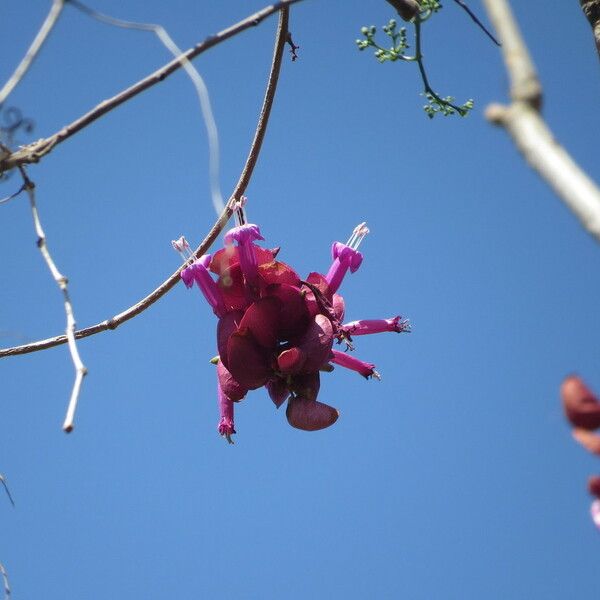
[[496, 113]]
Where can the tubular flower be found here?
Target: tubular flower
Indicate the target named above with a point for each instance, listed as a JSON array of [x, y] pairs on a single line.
[[276, 330]]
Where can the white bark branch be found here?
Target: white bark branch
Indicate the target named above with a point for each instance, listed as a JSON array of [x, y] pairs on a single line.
[[531, 135], [62, 282]]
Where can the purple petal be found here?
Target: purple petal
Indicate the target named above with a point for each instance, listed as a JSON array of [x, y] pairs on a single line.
[[243, 233], [225, 426], [347, 360], [310, 415], [368, 326], [231, 388]]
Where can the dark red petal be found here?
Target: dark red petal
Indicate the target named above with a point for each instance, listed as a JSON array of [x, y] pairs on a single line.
[[278, 391], [316, 343], [320, 283], [310, 415], [580, 405], [306, 385], [231, 388], [248, 362], [294, 315], [291, 361], [339, 307], [594, 485], [228, 257], [231, 284], [277, 272], [262, 319], [225, 327]]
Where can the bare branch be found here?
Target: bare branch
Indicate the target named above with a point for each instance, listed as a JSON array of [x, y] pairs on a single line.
[[13, 195], [240, 188], [62, 282], [591, 9], [524, 83], [531, 135], [40, 38], [5, 485], [197, 81], [32, 153], [6, 584]]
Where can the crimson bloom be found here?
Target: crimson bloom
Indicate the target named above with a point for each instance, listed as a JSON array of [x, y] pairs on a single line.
[[276, 330], [582, 409]]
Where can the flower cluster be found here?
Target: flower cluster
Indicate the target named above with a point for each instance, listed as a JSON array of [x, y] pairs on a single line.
[[276, 330], [582, 409]]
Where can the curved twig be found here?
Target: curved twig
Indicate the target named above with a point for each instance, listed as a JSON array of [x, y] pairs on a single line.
[[32, 153], [212, 235], [524, 123], [32, 51], [197, 81]]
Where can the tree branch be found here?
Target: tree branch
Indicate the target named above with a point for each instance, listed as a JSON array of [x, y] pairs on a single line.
[[62, 283], [531, 135], [591, 9], [239, 189], [32, 51], [32, 153]]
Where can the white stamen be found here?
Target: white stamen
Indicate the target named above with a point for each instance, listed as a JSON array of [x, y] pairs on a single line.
[[240, 212], [183, 248], [358, 235]]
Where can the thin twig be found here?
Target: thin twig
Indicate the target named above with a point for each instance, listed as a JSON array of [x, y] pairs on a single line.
[[531, 135], [32, 52], [197, 81], [13, 195], [32, 153], [62, 282], [477, 21], [6, 583], [3, 482], [238, 191]]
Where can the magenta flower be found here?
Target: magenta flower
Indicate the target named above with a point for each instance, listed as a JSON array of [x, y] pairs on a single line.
[[276, 330]]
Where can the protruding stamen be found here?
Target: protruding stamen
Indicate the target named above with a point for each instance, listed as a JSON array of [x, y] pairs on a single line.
[[183, 248], [240, 211], [358, 235]]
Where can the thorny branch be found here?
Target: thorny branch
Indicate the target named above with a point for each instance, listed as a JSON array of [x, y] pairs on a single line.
[[62, 282], [240, 187], [32, 153], [32, 52], [531, 135]]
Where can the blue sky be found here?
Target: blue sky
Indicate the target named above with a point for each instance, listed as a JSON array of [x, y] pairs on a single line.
[[453, 477]]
